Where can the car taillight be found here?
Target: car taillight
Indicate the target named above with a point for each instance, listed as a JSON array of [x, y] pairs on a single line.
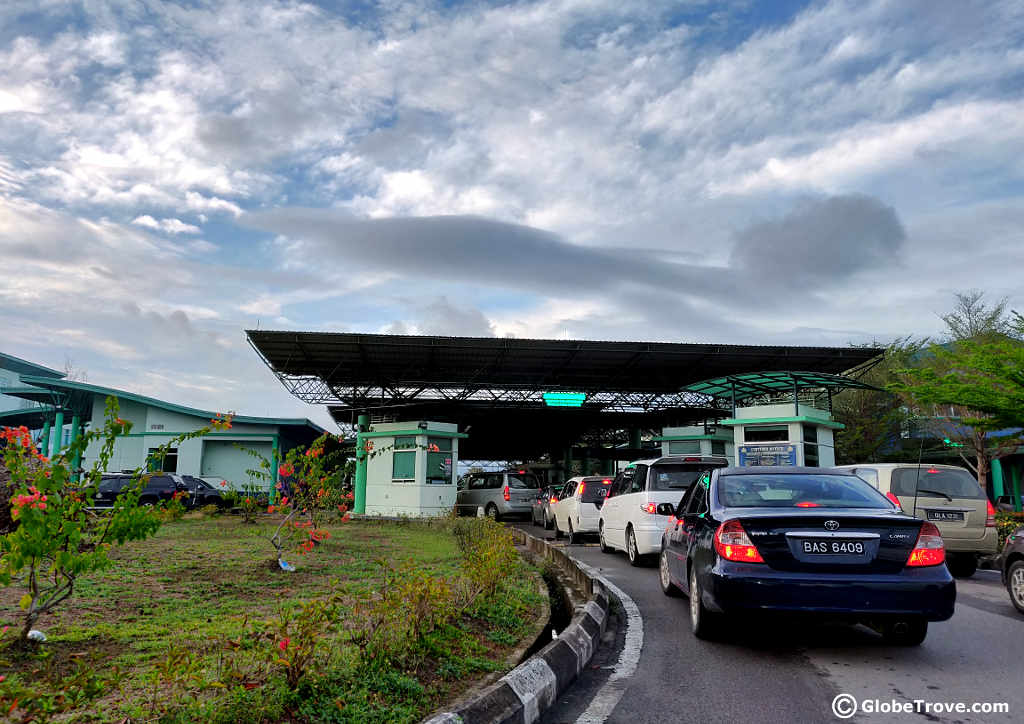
[[990, 519], [505, 494], [807, 504], [649, 508], [583, 486], [929, 549], [733, 543], [895, 501], [552, 499]]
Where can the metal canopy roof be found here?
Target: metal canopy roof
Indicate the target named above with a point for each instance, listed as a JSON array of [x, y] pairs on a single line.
[[355, 372], [756, 384]]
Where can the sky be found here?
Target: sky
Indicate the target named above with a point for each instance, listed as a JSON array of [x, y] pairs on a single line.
[[172, 174]]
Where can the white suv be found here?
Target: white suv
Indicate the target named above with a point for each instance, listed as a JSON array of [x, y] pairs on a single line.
[[629, 518], [578, 509]]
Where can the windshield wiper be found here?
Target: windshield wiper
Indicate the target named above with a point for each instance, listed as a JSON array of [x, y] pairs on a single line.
[[936, 492]]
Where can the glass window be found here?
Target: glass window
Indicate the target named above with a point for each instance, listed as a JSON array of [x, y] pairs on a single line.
[[869, 475], [639, 479], [439, 467], [403, 459], [622, 481], [595, 490], [811, 456], [674, 477], [478, 482], [766, 433], [439, 444], [786, 490], [696, 501], [494, 481], [684, 447], [718, 447], [951, 482], [523, 481]]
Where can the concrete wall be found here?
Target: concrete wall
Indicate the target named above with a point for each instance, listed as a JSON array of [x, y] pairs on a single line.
[[696, 434]]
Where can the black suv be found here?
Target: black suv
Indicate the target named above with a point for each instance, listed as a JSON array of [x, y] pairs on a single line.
[[201, 493], [159, 487]]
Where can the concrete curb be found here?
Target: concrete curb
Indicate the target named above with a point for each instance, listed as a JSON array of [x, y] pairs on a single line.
[[522, 694]]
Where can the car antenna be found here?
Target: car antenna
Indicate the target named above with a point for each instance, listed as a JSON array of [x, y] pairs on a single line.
[[917, 482]]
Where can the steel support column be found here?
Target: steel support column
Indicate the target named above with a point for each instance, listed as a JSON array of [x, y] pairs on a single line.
[[58, 434], [76, 432], [44, 439], [362, 425]]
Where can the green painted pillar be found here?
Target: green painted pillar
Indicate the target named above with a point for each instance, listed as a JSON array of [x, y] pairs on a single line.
[[608, 467], [76, 432], [997, 479], [44, 438], [275, 462], [634, 437], [1016, 474], [362, 425], [58, 435]]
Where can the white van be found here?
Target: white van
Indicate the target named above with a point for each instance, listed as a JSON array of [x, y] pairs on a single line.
[[578, 509], [629, 519], [946, 495]]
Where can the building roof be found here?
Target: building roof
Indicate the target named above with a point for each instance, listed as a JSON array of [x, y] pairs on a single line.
[[356, 371], [77, 397], [756, 384], [31, 417], [24, 367]]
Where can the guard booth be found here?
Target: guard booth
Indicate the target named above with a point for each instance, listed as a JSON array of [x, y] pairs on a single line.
[[410, 467], [786, 418], [697, 440]]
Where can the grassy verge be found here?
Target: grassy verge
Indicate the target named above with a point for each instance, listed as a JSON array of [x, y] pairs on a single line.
[[199, 624]]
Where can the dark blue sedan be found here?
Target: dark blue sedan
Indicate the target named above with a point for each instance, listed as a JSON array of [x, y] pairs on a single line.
[[815, 541]]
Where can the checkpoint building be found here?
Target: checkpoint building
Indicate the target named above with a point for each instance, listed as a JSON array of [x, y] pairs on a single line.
[[420, 405]]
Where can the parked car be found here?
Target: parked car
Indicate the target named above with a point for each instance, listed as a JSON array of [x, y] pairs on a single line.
[[1012, 567], [578, 509], [947, 496], [499, 494], [201, 493], [540, 513], [158, 487], [807, 541], [629, 519]]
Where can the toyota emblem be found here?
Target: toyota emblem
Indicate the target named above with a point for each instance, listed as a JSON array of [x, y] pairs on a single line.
[[831, 525]]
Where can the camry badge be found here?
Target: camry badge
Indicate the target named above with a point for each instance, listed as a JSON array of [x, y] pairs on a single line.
[[831, 525]]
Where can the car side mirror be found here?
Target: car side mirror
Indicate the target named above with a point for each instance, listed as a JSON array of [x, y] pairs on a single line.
[[665, 509], [180, 487]]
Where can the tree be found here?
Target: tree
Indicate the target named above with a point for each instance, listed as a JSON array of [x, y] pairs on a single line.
[[972, 317], [874, 419], [969, 389]]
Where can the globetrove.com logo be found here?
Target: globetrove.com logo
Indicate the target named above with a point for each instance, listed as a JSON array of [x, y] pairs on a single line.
[[844, 706]]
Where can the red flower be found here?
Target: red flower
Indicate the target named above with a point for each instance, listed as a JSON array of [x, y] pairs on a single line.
[[270, 509], [284, 643], [346, 518], [223, 483]]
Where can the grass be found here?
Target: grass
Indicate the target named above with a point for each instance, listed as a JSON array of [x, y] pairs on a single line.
[[162, 621]]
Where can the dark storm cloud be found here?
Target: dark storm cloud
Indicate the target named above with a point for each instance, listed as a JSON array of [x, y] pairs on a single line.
[[824, 239]]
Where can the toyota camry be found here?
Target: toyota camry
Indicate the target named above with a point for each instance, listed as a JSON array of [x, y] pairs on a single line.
[[805, 541]]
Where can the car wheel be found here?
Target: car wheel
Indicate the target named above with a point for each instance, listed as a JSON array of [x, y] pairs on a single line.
[[558, 531], [1015, 584], [909, 632], [548, 524], [703, 623], [571, 534], [667, 587], [605, 548], [962, 566], [492, 512], [632, 552]]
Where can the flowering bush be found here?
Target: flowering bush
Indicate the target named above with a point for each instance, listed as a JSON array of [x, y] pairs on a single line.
[[57, 538]]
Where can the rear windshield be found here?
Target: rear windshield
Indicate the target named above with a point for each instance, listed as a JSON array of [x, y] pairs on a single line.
[[523, 481], [112, 485], [956, 483], [785, 490], [595, 490], [675, 476]]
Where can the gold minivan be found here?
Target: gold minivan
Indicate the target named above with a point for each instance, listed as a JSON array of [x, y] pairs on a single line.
[[947, 496]]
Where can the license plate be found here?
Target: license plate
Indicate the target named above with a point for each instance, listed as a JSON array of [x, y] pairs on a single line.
[[833, 547], [945, 515]]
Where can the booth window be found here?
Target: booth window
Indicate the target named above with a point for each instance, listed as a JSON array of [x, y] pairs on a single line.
[[684, 447], [766, 433], [169, 463], [403, 459], [811, 459], [439, 461], [718, 447]]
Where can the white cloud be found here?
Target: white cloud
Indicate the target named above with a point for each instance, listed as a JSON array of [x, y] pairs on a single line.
[[170, 226]]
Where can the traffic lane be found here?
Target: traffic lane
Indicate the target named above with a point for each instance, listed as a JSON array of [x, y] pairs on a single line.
[[683, 679], [975, 657]]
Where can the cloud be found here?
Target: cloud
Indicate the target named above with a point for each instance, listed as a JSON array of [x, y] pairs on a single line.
[[170, 226], [821, 240]]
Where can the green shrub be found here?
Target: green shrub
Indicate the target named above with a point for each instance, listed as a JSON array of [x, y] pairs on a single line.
[[210, 510], [1007, 523]]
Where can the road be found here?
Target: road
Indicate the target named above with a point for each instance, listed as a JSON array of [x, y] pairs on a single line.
[[792, 673]]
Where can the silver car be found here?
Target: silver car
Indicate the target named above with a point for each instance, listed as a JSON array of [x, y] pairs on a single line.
[[508, 493]]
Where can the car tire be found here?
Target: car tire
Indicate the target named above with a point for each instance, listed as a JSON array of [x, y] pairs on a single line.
[[548, 523], [703, 623], [962, 566], [632, 552], [571, 534], [1015, 584], [605, 548], [491, 511], [910, 632], [667, 587], [558, 531]]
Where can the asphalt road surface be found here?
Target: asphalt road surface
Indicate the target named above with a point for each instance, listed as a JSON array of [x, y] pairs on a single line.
[[792, 673]]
